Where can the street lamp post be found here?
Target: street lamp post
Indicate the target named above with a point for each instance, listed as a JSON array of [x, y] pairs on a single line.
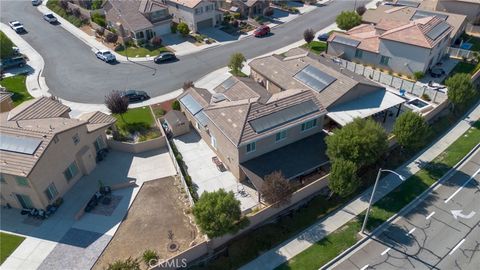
[[373, 192]]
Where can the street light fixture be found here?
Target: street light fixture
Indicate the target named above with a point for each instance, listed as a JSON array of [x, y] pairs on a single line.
[[373, 192]]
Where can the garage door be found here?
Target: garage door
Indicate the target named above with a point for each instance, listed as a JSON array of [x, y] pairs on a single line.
[[205, 24], [162, 29]]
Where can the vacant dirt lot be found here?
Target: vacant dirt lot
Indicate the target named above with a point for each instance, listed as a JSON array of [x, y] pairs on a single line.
[[158, 208]]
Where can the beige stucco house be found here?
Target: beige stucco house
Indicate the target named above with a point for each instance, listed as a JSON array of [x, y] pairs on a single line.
[[197, 14], [470, 8], [44, 152]]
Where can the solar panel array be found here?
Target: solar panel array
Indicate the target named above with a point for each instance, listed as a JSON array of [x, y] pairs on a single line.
[[346, 41], [314, 78], [284, 116], [201, 118], [408, 3], [228, 83], [22, 145], [191, 104], [419, 14], [438, 30], [217, 97]]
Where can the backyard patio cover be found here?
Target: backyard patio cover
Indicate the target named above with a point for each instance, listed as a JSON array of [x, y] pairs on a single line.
[[292, 160], [364, 106]]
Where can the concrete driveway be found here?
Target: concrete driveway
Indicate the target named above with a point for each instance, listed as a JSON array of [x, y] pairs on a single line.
[[198, 158], [61, 242]]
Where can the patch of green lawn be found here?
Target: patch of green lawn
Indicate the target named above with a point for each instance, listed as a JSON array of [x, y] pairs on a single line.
[[328, 248], [16, 85], [137, 120], [476, 43], [142, 51], [316, 46], [463, 67], [238, 74], [8, 244], [56, 7]]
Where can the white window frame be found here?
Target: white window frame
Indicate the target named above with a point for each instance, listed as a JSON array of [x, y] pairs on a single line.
[[383, 62], [70, 171], [253, 147], [51, 192], [280, 136], [305, 127]]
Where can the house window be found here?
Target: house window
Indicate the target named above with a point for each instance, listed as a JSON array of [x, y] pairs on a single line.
[[384, 60], [99, 145], [22, 181], [358, 53], [71, 171], [76, 139], [280, 136], [51, 192], [251, 147], [309, 124], [24, 200], [197, 125], [213, 142], [139, 35]]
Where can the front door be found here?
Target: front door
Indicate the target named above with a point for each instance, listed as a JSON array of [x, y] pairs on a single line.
[[24, 200]]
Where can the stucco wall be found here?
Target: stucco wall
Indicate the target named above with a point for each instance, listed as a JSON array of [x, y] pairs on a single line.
[[471, 10], [137, 147], [184, 14]]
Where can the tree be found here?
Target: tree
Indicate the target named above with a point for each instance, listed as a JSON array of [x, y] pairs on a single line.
[[348, 19], [128, 264], [362, 141], [308, 35], [460, 90], [183, 29], [176, 105], [116, 103], [6, 45], [217, 213], [361, 10], [236, 63], [156, 41], [343, 178], [411, 130], [276, 190]]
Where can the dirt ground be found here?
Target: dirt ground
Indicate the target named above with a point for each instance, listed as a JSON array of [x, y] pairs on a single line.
[[158, 208]]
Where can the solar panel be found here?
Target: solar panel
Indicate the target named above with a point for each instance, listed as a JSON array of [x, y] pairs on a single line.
[[346, 41], [408, 3], [228, 83], [284, 116], [217, 97], [419, 14], [314, 78], [438, 30], [22, 145], [201, 118], [191, 104]]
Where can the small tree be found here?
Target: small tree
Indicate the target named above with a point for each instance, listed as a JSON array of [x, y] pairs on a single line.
[[128, 264], [361, 10], [6, 45], [187, 84], [236, 63], [268, 11], [217, 213], [156, 41], [176, 105], [343, 178], [348, 19], [460, 90], [276, 190], [183, 29], [362, 141], [116, 103], [411, 130], [150, 257], [308, 35]]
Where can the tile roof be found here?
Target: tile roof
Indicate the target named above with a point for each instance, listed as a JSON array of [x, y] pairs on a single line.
[[243, 88], [130, 12], [187, 3], [97, 120], [5, 95], [38, 108]]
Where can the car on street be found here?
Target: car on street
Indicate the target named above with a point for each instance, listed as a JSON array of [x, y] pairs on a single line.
[[12, 62], [261, 31], [105, 55], [36, 2], [49, 17], [16, 26], [135, 95], [164, 57], [324, 37]]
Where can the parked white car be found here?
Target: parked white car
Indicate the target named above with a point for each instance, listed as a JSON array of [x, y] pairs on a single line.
[[16, 26], [105, 55], [50, 18]]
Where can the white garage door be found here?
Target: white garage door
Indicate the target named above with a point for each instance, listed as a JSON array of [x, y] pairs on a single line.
[[162, 29], [205, 24]]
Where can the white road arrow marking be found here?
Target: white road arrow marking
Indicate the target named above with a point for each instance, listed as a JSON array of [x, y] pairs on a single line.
[[458, 213]]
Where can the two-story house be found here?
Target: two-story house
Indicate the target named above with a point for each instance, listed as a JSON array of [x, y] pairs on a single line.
[[246, 8], [402, 47], [197, 14], [138, 20], [44, 152]]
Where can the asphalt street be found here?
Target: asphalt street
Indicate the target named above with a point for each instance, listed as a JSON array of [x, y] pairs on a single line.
[[430, 236], [73, 73]]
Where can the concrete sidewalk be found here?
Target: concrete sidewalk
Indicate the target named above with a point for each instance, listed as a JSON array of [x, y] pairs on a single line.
[[327, 225]]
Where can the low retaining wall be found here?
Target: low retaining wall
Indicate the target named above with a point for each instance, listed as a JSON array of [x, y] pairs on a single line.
[[137, 147]]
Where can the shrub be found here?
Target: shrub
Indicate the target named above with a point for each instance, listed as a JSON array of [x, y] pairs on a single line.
[[418, 75], [267, 12], [96, 4], [411, 130], [99, 19], [63, 4], [173, 28], [176, 105], [100, 31], [361, 10], [235, 23], [156, 41], [348, 19], [183, 29], [128, 264], [150, 257], [76, 12], [227, 17], [236, 62], [276, 190], [236, 15], [425, 97], [111, 37]]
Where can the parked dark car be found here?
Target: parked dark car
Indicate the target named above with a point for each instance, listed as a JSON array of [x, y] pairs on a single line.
[[437, 72], [164, 57], [261, 31], [324, 37], [16, 61], [135, 95]]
